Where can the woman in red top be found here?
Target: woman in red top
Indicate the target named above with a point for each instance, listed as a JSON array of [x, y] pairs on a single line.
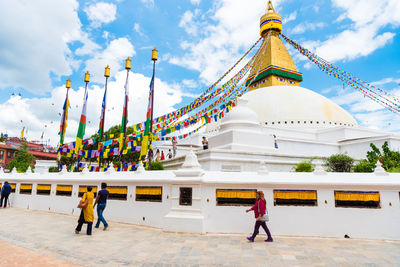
[[259, 210]]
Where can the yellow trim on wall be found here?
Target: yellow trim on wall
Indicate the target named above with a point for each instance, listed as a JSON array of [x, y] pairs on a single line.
[[13, 186], [236, 193], [357, 196], [148, 191], [25, 187], [120, 190], [43, 187], [64, 188], [303, 195]]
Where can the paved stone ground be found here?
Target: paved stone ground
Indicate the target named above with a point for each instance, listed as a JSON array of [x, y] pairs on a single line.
[[52, 235]]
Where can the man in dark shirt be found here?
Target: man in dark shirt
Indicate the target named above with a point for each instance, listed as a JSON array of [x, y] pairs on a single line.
[[101, 200], [5, 192]]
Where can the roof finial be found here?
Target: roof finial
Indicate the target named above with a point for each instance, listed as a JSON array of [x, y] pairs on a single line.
[[270, 7]]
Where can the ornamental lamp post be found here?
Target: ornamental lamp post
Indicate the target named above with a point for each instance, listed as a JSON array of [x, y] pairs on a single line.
[[154, 54], [128, 63]]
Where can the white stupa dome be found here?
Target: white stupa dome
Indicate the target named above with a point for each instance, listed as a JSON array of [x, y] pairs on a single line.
[[295, 106], [241, 117]]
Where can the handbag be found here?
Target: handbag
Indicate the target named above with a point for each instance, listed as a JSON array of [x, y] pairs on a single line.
[[82, 204], [264, 217]]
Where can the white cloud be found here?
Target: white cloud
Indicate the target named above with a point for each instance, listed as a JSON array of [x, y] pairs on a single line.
[[234, 27], [307, 26], [101, 13], [292, 16], [38, 112], [189, 84], [364, 35], [195, 2], [148, 2], [187, 22], [114, 55], [34, 42], [137, 29], [366, 111]]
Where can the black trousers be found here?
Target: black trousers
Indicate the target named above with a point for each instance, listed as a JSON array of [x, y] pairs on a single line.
[[81, 221], [257, 227], [5, 197]]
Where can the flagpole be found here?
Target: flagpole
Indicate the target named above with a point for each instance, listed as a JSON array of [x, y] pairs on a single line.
[[154, 58], [63, 125], [103, 111], [82, 122], [124, 112]]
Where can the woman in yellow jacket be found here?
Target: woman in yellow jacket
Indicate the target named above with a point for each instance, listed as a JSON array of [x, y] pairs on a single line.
[[87, 214]]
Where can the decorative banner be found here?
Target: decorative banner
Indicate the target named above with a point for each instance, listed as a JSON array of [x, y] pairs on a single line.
[[82, 122], [386, 100], [64, 118], [169, 123]]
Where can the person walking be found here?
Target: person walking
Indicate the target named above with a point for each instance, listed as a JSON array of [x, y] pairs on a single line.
[[169, 155], [5, 192], [162, 155], [158, 157], [205, 143], [87, 214], [259, 210], [275, 141], [101, 200], [174, 143]]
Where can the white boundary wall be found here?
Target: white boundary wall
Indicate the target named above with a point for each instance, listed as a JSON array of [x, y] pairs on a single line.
[[323, 220]]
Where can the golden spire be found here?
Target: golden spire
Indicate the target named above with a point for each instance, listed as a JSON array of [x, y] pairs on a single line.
[[270, 21], [273, 66], [270, 7]]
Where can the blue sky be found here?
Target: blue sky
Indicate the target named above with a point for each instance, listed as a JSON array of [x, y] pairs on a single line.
[[45, 42]]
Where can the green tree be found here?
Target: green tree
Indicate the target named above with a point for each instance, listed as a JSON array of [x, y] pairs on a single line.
[[364, 166], [1, 137], [22, 160], [390, 159], [339, 163], [53, 169], [304, 166], [156, 166], [67, 160]]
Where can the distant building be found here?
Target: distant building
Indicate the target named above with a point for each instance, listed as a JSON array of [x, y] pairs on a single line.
[[8, 150]]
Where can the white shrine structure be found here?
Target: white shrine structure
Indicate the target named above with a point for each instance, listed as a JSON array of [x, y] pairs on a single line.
[[208, 191], [305, 124]]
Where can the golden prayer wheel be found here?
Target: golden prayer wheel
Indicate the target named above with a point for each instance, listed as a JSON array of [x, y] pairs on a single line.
[[68, 83], [107, 71], [87, 77], [154, 54], [128, 64]]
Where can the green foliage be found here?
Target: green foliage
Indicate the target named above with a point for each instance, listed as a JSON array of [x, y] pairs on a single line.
[[156, 166], [394, 169], [390, 159], [67, 161], [364, 166], [22, 160], [339, 163], [1, 137], [304, 166], [53, 169]]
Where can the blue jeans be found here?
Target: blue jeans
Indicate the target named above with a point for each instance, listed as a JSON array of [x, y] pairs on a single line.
[[100, 209]]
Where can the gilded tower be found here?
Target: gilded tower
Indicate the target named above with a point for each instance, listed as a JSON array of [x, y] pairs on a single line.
[[274, 65]]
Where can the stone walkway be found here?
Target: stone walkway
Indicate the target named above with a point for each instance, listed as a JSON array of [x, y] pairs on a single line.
[[52, 235]]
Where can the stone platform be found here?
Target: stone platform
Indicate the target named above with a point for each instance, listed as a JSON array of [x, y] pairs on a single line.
[[33, 238]]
